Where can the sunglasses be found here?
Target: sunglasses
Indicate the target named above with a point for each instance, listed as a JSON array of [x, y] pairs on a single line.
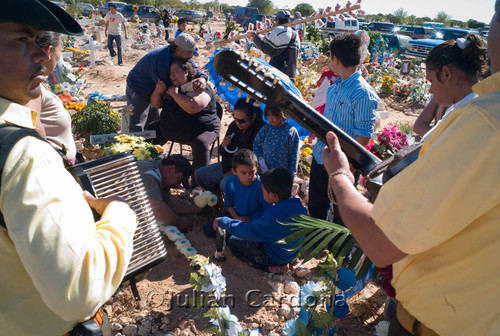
[[240, 121]]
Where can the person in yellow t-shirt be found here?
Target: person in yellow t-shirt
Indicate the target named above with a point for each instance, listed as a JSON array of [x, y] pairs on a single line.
[[438, 220]]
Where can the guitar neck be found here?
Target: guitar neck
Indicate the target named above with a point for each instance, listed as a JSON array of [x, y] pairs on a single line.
[[318, 125], [262, 83]]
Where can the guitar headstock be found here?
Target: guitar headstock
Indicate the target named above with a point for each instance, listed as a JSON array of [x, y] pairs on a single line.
[[251, 76]]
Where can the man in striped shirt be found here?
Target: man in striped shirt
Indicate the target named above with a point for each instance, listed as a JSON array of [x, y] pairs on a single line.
[[350, 104]]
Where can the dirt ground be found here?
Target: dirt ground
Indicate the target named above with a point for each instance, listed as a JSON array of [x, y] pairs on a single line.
[[256, 301]]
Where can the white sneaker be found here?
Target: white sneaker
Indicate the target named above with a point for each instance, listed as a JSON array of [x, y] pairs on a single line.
[[111, 61]]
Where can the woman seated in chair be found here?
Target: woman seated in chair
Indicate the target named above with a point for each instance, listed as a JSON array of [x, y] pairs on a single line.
[[240, 134], [187, 117]]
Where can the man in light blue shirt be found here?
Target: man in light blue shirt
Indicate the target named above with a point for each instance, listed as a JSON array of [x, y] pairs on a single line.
[[350, 104]]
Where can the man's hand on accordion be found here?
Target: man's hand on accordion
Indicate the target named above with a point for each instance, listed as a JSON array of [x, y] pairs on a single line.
[[100, 204]]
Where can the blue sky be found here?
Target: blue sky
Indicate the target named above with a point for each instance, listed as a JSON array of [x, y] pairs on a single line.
[[480, 10]]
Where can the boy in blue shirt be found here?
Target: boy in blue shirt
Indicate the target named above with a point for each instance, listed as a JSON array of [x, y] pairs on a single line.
[[255, 242], [243, 195]]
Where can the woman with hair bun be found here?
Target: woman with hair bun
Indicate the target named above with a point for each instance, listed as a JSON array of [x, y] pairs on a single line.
[[453, 67]]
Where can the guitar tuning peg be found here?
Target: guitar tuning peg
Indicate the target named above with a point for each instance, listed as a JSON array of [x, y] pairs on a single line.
[[259, 68], [248, 99], [222, 82], [275, 80], [231, 87], [250, 62], [242, 56], [256, 103], [267, 73], [239, 94]]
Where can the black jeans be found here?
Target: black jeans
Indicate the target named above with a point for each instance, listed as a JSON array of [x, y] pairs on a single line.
[[318, 202], [112, 51]]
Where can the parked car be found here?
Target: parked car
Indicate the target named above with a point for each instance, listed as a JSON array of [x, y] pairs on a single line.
[[190, 15], [396, 42], [241, 14], [421, 48], [339, 26], [144, 12], [416, 32], [382, 27], [105, 9], [86, 9], [253, 20]]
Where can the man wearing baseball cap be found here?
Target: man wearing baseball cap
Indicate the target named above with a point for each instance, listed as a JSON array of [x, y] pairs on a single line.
[[58, 265], [282, 44], [155, 67]]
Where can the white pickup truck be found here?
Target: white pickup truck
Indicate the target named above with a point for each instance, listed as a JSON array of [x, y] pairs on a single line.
[[339, 26]]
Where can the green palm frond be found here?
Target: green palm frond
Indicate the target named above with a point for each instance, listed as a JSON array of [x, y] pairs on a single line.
[[319, 235]]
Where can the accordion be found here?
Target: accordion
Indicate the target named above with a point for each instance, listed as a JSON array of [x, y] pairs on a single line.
[[117, 175]]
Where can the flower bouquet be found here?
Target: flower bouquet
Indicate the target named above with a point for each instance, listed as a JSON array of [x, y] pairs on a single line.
[[305, 160], [141, 149], [391, 140]]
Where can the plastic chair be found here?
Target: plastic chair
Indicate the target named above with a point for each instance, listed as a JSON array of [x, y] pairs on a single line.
[[220, 112]]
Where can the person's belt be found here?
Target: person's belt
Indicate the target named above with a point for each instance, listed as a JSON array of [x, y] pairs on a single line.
[[90, 327], [411, 324]]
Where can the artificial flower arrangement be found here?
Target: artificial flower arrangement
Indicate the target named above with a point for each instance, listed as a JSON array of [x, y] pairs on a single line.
[[391, 140], [180, 241], [305, 160], [388, 85], [74, 106], [206, 198], [323, 302], [70, 81], [141, 149], [209, 279], [206, 201]]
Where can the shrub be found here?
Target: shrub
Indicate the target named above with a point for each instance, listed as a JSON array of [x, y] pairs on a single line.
[[94, 119], [230, 26]]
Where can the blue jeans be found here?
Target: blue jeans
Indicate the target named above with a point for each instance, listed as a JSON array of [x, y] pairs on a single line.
[[112, 52], [208, 177]]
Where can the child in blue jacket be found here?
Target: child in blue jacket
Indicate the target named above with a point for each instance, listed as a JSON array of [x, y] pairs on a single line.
[[256, 242], [243, 195]]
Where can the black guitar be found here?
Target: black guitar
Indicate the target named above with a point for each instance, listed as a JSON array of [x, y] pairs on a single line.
[[263, 84]]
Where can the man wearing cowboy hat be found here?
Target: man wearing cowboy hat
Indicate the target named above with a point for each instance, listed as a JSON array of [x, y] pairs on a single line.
[[58, 265]]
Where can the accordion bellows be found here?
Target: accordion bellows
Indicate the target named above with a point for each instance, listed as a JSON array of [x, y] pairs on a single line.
[[117, 175]]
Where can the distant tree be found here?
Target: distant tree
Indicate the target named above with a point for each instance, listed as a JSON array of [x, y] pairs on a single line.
[[457, 23], [412, 19], [393, 19], [304, 8], [442, 17], [401, 14], [475, 24], [264, 6], [225, 8]]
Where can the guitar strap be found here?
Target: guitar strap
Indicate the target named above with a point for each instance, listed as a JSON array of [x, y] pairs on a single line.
[[9, 136]]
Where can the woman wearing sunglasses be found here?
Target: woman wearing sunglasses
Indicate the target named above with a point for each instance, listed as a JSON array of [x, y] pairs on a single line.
[[247, 121]]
